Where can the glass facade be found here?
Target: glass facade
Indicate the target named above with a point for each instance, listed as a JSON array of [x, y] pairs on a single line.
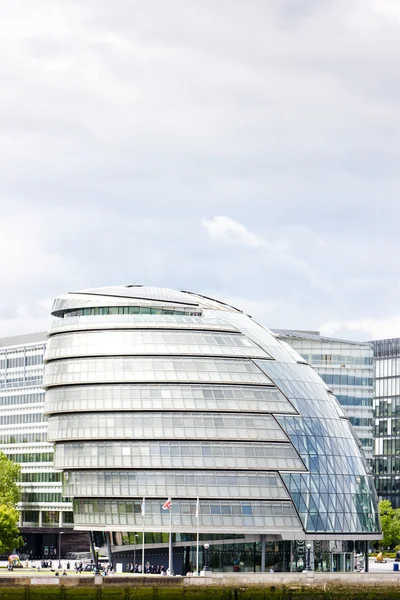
[[230, 553], [159, 322], [177, 455], [109, 398], [208, 404], [216, 515], [347, 369], [387, 419], [144, 343], [117, 369], [164, 425], [181, 484], [23, 432]]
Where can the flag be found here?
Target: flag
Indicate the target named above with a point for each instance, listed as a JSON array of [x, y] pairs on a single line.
[[167, 504], [197, 508], [143, 506]]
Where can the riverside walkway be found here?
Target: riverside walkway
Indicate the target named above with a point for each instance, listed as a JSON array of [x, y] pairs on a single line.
[[380, 574]]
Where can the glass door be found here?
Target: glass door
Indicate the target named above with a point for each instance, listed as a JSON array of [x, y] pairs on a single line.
[[338, 562]]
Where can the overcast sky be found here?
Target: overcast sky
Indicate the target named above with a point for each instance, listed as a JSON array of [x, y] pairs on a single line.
[[247, 150]]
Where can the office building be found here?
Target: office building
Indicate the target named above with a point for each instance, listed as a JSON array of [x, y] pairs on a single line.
[[44, 512], [387, 420], [347, 369], [156, 393]]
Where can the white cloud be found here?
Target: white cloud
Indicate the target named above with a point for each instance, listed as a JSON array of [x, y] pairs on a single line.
[[364, 329], [229, 231], [110, 120]]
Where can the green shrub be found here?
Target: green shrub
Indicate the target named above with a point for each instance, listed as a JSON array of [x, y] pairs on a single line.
[[11, 593], [132, 592], [78, 593]]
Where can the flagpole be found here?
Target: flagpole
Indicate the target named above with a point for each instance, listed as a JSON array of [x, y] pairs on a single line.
[[197, 540], [170, 539], [143, 548], [143, 513]]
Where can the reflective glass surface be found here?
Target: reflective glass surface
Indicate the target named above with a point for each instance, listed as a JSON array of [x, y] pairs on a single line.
[[125, 310], [179, 455], [141, 321], [178, 484], [142, 343], [23, 427], [346, 367], [337, 494], [215, 514], [238, 398], [102, 297], [331, 502], [150, 399], [139, 292], [387, 424], [165, 425], [304, 388], [109, 370]]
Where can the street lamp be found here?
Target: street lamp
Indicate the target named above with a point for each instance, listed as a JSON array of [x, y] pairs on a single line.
[[59, 550], [206, 567], [96, 558], [308, 567]]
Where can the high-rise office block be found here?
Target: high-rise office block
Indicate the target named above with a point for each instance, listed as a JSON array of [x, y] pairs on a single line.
[[387, 419], [44, 512]]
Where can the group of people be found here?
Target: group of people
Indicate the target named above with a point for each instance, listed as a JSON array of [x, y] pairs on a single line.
[[46, 564], [151, 569], [107, 569]]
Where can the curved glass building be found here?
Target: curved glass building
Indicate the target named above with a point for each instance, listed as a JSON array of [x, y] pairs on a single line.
[[158, 393]]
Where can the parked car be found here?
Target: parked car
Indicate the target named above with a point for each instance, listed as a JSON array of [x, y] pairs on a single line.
[[91, 566]]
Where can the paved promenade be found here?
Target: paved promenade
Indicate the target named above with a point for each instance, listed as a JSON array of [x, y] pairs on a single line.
[[380, 574], [376, 578]]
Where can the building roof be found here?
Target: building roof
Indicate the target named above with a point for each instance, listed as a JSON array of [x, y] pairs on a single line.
[[136, 294], [21, 340], [314, 335]]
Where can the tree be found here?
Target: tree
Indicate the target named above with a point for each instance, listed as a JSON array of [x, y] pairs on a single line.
[[9, 474], [9, 532], [9, 496], [390, 521]]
